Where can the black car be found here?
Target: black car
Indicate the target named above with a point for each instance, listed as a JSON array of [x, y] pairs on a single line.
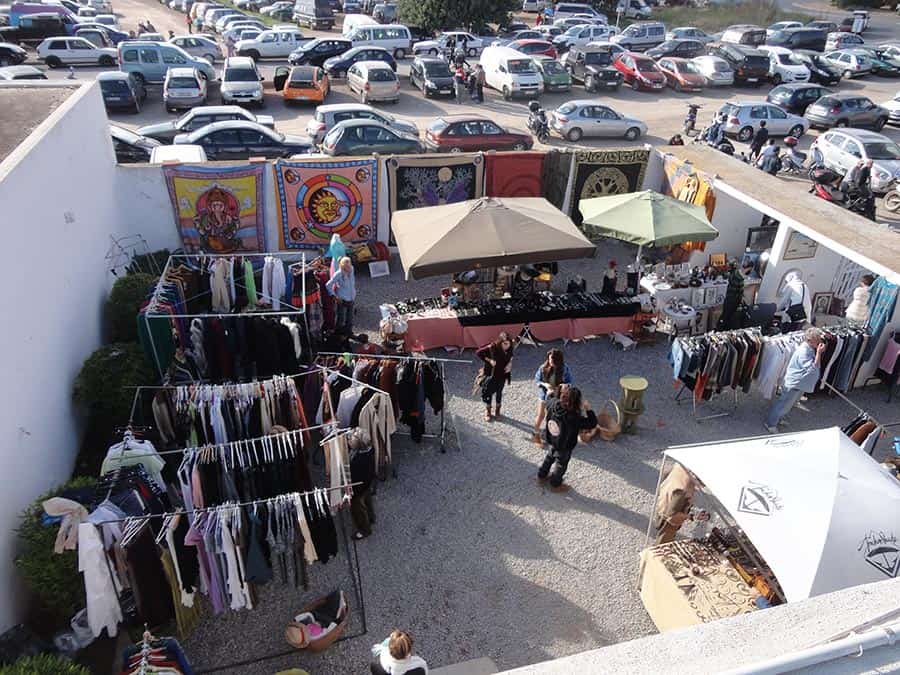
[[797, 97], [750, 65], [337, 66], [419, 34], [316, 52], [385, 13], [593, 66], [130, 147], [827, 26], [363, 137], [820, 70], [199, 117], [122, 91], [11, 55], [240, 139], [685, 49], [799, 38], [34, 29], [432, 75]]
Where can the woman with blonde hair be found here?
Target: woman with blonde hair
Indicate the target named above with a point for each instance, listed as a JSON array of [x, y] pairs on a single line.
[[394, 656]]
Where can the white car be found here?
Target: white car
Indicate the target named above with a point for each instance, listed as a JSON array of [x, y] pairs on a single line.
[[198, 46], [532, 5], [87, 13], [743, 118], [75, 51], [848, 62], [784, 66], [434, 47], [107, 20], [782, 25], [689, 33], [842, 148], [578, 36], [893, 107], [839, 40], [271, 44], [715, 69]]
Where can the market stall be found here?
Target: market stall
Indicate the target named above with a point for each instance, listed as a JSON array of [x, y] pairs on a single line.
[[802, 515]]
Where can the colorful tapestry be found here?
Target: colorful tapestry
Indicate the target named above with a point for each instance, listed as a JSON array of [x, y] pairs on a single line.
[[682, 181], [555, 176], [429, 180], [606, 172], [218, 209], [318, 199], [513, 174]]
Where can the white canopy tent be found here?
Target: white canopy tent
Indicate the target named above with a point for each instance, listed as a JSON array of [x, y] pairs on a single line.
[[821, 512]]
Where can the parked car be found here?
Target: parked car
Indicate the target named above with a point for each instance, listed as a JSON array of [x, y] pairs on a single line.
[[556, 78], [199, 46], [889, 49], [315, 14], [75, 51], [338, 66], [8, 73], [431, 75], [782, 25], [594, 67], [842, 148], [821, 71], [578, 36], [241, 82], [149, 61], [744, 34], [750, 65], [434, 47], [183, 88], [784, 66], [506, 38], [362, 137], [575, 119], [11, 55], [394, 38], [847, 110], [275, 6], [883, 66], [317, 52], [685, 49], [130, 147], [511, 73], [716, 70], [121, 91], [115, 36], [533, 6], [271, 44], [640, 72], [641, 35], [373, 81], [892, 106], [199, 117], [563, 10], [850, 64], [633, 9], [549, 31], [109, 20], [689, 33], [301, 84], [682, 74], [86, 13], [328, 115], [150, 37], [96, 37], [799, 38], [385, 13], [827, 26], [743, 118], [796, 98], [534, 47], [842, 41], [469, 133], [240, 139]]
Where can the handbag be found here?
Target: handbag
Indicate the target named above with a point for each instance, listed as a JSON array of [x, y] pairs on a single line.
[[798, 312]]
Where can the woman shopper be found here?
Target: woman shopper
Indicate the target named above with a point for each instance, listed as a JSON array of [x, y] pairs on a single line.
[[552, 373], [394, 656], [858, 310], [496, 372], [567, 415], [343, 287]]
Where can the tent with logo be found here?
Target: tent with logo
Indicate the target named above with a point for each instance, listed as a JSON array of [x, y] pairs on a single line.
[[822, 513]]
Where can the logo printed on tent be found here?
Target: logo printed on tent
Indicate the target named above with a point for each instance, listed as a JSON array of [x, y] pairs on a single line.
[[881, 552], [759, 500]]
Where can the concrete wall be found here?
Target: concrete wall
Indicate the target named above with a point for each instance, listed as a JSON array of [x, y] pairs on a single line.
[[58, 212]]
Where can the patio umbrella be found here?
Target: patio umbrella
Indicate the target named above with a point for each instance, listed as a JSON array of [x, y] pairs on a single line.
[[486, 232], [645, 218]]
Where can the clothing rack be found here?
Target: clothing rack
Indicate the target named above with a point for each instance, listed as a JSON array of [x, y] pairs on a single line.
[[861, 411]]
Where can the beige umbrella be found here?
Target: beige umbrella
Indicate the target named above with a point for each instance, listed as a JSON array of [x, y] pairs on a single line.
[[486, 232]]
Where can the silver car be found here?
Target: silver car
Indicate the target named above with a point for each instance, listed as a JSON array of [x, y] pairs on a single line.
[[241, 81], [689, 33], [849, 63], [373, 81], [183, 88], [199, 46], [576, 119], [743, 118], [715, 69], [842, 148], [328, 115]]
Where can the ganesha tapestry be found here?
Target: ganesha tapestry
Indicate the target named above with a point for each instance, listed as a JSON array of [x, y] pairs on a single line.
[[218, 210], [430, 180], [319, 199], [606, 172]]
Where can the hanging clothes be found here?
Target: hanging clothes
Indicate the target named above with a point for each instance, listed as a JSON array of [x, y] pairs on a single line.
[[103, 609], [882, 300]]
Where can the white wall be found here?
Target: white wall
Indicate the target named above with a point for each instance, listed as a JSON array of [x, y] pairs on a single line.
[[58, 213], [732, 218]]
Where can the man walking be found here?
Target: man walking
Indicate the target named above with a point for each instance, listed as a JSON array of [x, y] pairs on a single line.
[[190, 24], [343, 287], [802, 374], [759, 140], [478, 76]]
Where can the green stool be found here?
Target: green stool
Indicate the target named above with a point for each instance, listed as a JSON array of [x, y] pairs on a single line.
[[632, 401]]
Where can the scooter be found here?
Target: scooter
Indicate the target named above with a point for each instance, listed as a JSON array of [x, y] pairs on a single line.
[[891, 199], [825, 186], [537, 122], [690, 122]]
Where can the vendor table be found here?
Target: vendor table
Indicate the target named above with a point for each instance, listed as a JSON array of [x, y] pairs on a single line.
[[663, 295], [685, 583]]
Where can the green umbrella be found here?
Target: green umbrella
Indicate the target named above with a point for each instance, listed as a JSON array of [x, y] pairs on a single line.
[[645, 218]]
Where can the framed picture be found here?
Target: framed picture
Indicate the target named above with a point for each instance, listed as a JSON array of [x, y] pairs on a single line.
[[821, 303], [717, 260], [700, 322], [800, 247], [698, 297], [379, 268], [761, 238]]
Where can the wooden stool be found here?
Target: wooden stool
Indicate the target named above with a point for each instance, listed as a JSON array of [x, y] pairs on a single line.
[[632, 404]]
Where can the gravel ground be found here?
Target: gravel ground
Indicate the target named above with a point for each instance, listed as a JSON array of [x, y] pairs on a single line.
[[472, 556]]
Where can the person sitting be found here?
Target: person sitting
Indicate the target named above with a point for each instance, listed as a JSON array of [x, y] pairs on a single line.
[[771, 163], [676, 140], [394, 656]]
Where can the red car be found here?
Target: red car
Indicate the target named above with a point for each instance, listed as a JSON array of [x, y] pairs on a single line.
[[534, 47], [682, 74], [640, 71], [470, 133]]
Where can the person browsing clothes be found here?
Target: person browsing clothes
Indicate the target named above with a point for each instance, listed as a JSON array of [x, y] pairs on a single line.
[[343, 287], [497, 371], [567, 415], [800, 378]]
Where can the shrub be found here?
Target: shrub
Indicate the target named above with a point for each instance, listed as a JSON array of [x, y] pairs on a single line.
[[124, 303], [102, 385], [45, 664], [53, 578]]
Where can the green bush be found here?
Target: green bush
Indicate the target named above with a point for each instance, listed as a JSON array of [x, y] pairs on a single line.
[[124, 303], [44, 664], [102, 385], [53, 578]]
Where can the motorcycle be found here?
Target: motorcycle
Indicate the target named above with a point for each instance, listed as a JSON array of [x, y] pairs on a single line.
[[825, 186], [891, 199], [690, 122], [537, 124], [793, 161]]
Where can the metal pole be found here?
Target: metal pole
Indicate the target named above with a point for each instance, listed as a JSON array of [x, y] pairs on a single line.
[[406, 357]]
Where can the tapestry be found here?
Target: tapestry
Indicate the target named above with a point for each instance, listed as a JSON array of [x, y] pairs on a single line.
[[318, 199], [555, 176], [218, 209], [682, 181], [513, 174], [606, 172], [430, 180]]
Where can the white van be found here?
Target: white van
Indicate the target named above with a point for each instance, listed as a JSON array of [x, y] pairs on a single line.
[[393, 37], [511, 72], [353, 21]]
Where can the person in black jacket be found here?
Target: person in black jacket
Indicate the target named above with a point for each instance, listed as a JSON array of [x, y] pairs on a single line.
[[759, 140], [567, 415]]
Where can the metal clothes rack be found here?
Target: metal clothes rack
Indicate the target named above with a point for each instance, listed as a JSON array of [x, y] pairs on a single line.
[[861, 410]]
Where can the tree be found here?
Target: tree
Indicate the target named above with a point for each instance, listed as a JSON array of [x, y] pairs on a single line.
[[471, 15]]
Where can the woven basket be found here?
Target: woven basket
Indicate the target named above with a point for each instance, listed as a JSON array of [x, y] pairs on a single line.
[[608, 427], [321, 643]]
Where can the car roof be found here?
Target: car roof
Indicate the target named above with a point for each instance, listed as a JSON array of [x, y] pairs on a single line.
[[450, 119], [359, 123], [774, 49], [531, 41], [429, 59], [863, 134], [374, 65], [844, 96], [239, 62], [181, 72], [676, 59], [585, 101], [229, 124], [356, 49], [304, 70], [23, 70], [592, 47], [796, 86], [744, 104], [710, 57], [108, 75], [345, 107]]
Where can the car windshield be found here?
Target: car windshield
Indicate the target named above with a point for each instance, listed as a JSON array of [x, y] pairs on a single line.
[[646, 65], [435, 69], [668, 44], [382, 75], [780, 92], [720, 67], [882, 150], [575, 29], [687, 67], [566, 108], [301, 81], [183, 83], [114, 87], [789, 60], [598, 58], [438, 126], [521, 66], [241, 75], [552, 67], [332, 136], [729, 109]]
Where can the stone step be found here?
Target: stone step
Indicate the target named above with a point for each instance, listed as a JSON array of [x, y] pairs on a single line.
[[482, 666]]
